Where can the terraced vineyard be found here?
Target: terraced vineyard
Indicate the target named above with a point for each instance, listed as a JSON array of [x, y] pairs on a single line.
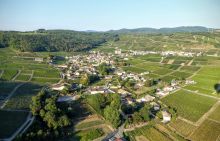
[[20, 79]]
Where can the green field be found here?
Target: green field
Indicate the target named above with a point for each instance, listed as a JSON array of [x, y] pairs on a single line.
[[181, 75], [182, 127], [22, 97], [9, 74], [23, 77], [151, 133], [44, 80], [216, 114], [205, 80], [189, 105], [10, 122]]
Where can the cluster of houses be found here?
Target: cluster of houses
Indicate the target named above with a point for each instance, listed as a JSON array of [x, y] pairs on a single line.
[[167, 53], [81, 64]]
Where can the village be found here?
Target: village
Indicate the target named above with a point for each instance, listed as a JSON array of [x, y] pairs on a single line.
[[81, 72]]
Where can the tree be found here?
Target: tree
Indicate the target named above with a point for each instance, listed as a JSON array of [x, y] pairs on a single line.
[[104, 69], [136, 117], [148, 83], [44, 105], [54, 40], [37, 100], [84, 80], [112, 115], [144, 113], [115, 101], [96, 101], [64, 121]]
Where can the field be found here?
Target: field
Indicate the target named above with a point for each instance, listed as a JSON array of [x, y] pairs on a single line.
[[208, 131], [182, 127], [9, 74], [90, 125], [23, 77], [189, 105], [158, 42], [10, 122], [206, 79], [149, 132], [22, 97], [216, 114]]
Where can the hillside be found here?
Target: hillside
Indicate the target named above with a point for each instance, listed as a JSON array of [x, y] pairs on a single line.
[[162, 30], [53, 40]]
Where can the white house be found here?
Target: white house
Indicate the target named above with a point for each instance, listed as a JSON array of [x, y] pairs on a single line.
[[166, 116], [66, 98], [147, 98], [97, 90], [58, 87], [39, 59]]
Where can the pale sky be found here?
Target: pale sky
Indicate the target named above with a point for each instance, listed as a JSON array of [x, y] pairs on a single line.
[[107, 14]]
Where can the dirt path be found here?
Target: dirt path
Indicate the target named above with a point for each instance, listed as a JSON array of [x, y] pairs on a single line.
[[2, 72], [23, 127], [190, 62], [11, 94], [14, 90], [201, 94], [214, 120], [13, 79], [137, 126], [32, 75], [186, 120]]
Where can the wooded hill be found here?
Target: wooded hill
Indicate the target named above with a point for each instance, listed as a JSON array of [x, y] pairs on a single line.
[[54, 40]]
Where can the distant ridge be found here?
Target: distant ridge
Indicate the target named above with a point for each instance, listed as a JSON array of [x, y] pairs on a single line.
[[163, 30]]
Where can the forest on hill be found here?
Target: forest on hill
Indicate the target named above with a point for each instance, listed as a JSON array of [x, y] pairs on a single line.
[[54, 40]]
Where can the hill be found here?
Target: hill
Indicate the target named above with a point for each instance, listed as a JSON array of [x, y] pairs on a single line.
[[53, 40], [163, 30]]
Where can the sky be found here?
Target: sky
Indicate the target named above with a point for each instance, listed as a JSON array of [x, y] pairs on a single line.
[[102, 15]]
